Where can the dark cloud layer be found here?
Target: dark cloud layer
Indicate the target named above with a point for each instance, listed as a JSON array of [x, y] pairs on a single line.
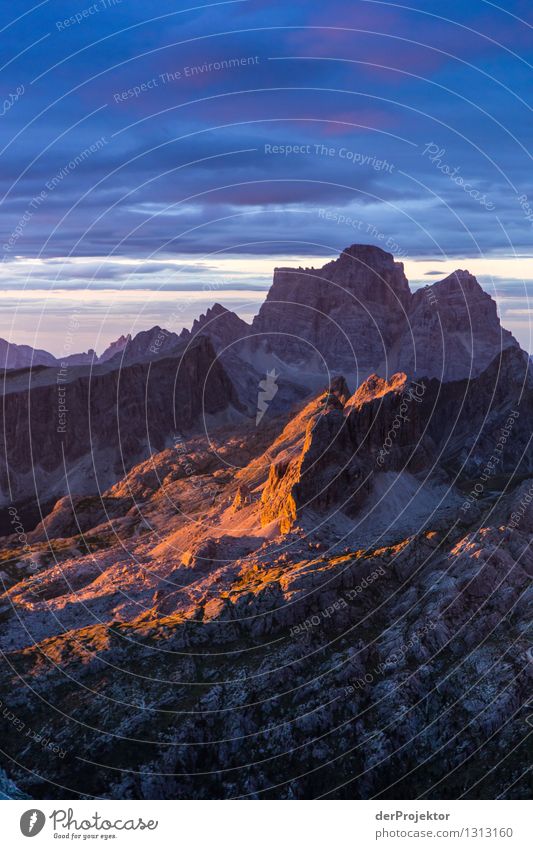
[[153, 131]]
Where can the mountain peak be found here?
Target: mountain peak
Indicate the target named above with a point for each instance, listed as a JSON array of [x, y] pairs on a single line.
[[217, 309], [453, 331], [369, 266], [460, 280], [345, 314], [114, 348], [221, 324], [212, 312], [377, 387], [361, 251]]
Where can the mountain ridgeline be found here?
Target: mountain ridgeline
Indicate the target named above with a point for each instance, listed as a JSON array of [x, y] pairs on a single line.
[[353, 317], [284, 559]]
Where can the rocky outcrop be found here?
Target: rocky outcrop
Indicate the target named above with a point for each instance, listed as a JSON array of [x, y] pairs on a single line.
[[305, 673], [243, 497], [387, 421], [346, 441], [376, 387], [357, 315], [73, 515], [343, 317], [453, 331], [145, 345], [458, 430], [224, 328], [319, 469]]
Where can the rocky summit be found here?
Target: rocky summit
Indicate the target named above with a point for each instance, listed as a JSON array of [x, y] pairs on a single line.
[[288, 559], [357, 315], [342, 317]]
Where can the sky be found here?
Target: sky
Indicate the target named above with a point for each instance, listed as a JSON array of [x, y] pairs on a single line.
[[156, 158]]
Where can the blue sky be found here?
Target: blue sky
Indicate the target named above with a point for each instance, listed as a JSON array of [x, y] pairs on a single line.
[[153, 156]]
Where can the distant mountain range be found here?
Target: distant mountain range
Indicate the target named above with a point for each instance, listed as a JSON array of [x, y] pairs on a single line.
[[14, 356], [353, 316]]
